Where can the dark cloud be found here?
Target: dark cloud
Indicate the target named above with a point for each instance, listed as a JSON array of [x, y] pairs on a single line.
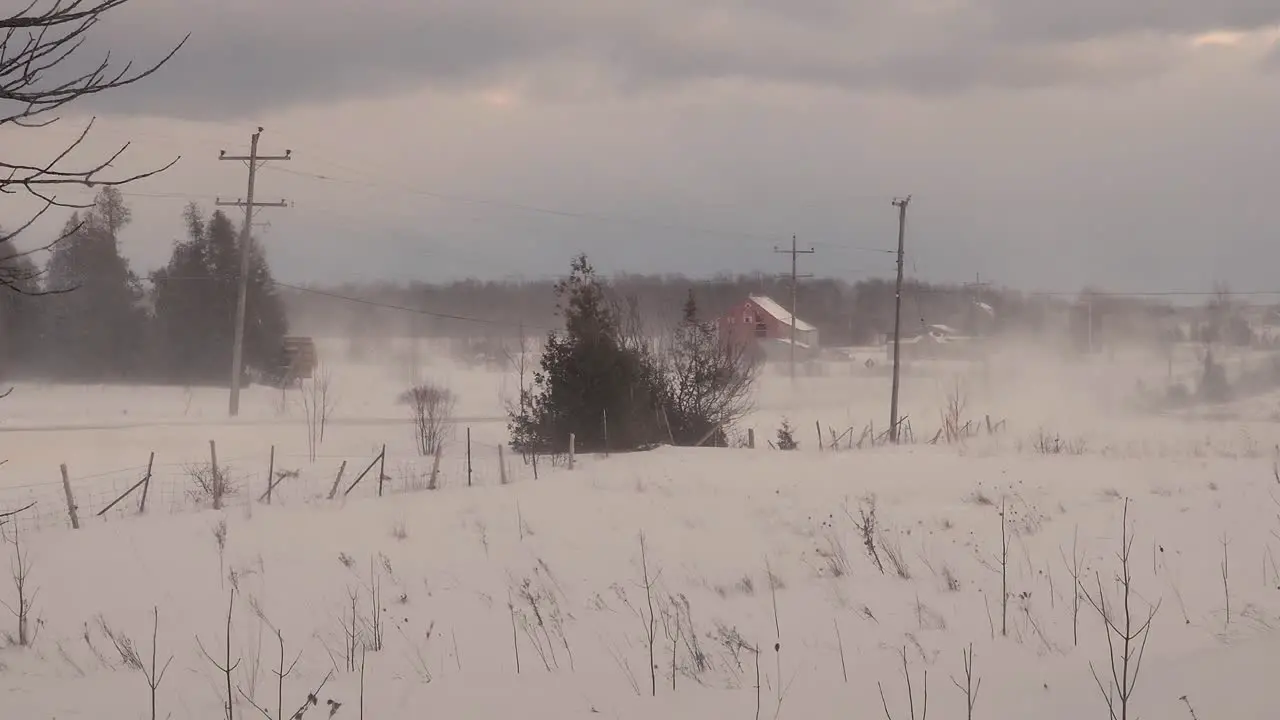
[[247, 57]]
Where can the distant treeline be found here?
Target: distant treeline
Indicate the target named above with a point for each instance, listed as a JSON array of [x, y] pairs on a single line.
[[845, 313]]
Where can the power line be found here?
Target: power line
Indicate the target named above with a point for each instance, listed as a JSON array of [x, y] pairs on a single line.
[[525, 207], [402, 308]]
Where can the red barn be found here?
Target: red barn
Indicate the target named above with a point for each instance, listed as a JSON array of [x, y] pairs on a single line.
[[761, 318]]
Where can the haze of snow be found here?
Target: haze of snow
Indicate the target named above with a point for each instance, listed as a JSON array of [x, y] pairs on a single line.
[[750, 549]]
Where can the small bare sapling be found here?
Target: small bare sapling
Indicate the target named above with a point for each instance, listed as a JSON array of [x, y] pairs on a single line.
[[318, 403], [153, 676], [431, 409], [25, 596], [970, 688], [1126, 632], [1074, 566], [226, 667], [911, 699]]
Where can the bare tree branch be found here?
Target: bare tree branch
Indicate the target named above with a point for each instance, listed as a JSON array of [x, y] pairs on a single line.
[[37, 45]]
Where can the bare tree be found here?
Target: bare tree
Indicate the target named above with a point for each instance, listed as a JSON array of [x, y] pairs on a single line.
[[318, 403], [1126, 631], [20, 572], [431, 408], [709, 380], [38, 43]]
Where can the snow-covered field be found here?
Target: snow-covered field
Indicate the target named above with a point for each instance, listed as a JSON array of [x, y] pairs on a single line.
[[531, 599]]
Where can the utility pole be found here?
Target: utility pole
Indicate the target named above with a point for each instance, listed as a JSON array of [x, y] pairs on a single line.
[[970, 289], [795, 278], [901, 204], [253, 160]]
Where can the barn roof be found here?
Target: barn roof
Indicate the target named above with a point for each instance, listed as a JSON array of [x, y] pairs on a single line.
[[779, 313]]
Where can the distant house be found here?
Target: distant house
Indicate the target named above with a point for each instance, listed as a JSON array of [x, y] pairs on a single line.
[[761, 319], [936, 341]]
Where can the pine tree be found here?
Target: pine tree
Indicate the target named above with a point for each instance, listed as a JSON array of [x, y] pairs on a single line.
[[95, 329], [590, 375], [19, 312], [196, 297]]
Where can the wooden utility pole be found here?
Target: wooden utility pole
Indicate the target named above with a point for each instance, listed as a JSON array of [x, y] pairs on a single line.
[[795, 278], [901, 204], [253, 160], [972, 290]]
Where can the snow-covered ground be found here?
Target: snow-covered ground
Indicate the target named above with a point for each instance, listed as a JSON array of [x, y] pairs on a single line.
[[531, 599]]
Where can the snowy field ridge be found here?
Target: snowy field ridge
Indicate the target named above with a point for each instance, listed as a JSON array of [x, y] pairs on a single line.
[[676, 583]]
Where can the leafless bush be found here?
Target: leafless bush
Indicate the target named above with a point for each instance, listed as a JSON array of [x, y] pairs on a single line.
[[539, 615], [1054, 444], [123, 645], [431, 408], [869, 529], [954, 426], [318, 403], [210, 483]]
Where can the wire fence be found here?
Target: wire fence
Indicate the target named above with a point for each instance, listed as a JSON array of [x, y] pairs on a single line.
[[297, 479]]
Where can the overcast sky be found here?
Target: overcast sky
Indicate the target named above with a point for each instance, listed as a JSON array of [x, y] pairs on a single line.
[[1047, 144]]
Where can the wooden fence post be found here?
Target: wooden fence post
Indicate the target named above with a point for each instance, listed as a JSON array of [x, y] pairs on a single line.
[[573, 441], [817, 425], [382, 468], [71, 501], [215, 478], [468, 457], [142, 506], [751, 438], [333, 491], [271, 473], [502, 466]]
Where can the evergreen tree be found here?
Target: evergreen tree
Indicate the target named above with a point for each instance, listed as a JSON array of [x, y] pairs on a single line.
[[19, 312], [195, 304], [592, 380], [95, 326]]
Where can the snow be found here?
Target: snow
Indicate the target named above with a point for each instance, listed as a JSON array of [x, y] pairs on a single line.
[[452, 564]]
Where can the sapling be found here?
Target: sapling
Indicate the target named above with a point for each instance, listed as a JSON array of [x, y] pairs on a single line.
[[911, 700], [1073, 567], [20, 573], [1004, 570], [154, 677], [226, 667], [970, 689], [1226, 581], [651, 626], [1127, 636]]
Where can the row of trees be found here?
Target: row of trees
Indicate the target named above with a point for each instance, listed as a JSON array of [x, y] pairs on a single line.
[[86, 316], [605, 381], [845, 313]]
